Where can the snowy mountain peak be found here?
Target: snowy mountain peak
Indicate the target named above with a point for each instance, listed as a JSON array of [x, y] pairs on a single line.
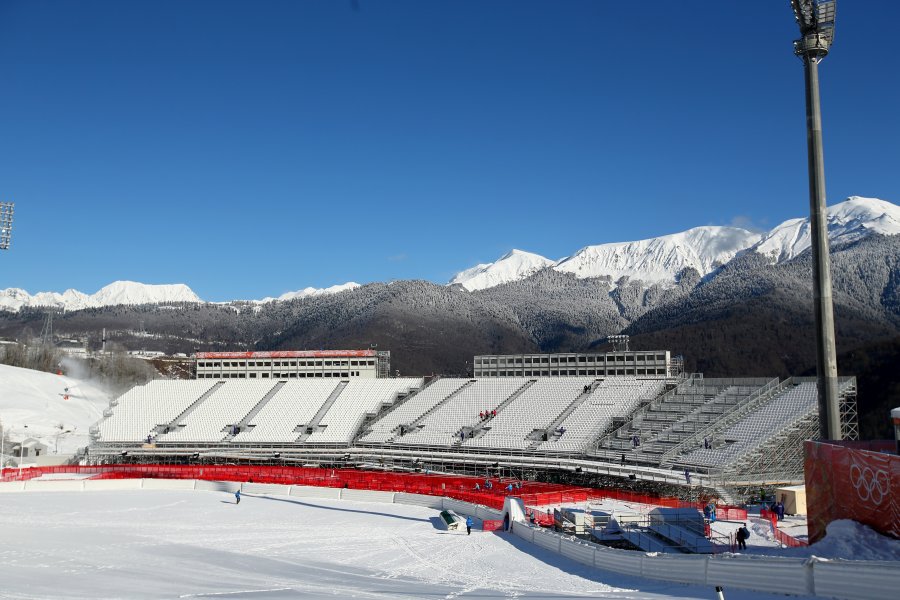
[[660, 259], [848, 221], [119, 292], [311, 291], [512, 266]]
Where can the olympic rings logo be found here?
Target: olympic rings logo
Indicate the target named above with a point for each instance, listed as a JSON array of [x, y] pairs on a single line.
[[869, 484]]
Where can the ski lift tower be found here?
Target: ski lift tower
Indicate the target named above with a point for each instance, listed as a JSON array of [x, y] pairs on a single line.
[[6, 218], [816, 21]]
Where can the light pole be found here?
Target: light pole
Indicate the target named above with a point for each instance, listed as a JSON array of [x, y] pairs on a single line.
[[56, 451], [816, 21]]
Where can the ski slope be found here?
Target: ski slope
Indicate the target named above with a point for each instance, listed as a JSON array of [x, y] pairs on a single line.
[[150, 544], [44, 406]]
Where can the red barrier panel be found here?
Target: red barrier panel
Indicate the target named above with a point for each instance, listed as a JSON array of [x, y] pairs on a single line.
[[491, 525], [843, 483]]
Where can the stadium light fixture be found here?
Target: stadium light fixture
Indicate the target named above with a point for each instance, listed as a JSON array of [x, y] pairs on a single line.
[[6, 218], [816, 21]]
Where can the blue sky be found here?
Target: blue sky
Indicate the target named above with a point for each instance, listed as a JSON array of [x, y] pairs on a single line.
[[248, 149]]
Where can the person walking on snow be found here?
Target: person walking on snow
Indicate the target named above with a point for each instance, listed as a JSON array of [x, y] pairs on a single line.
[[469, 523], [237, 497]]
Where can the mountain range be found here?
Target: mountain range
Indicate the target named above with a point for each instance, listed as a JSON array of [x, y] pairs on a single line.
[[657, 260]]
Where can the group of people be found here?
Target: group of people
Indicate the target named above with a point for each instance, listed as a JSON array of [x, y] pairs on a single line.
[[487, 414]]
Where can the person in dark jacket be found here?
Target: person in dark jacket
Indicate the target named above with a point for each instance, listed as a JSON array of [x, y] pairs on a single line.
[[237, 497], [742, 534]]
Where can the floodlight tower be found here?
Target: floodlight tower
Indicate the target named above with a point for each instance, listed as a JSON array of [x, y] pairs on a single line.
[[6, 217], [816, 21]]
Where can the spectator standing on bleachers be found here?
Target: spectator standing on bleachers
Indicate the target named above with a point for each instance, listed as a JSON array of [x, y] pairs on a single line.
[[481, 415], [687, 476], [623, 458]]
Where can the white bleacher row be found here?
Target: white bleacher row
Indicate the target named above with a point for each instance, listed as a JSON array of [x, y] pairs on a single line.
[[296, 403], [613, 397], [441, 426], [225, 406], [144, 407], [359, 398], [413, 408], [535, 408], [762, 423]]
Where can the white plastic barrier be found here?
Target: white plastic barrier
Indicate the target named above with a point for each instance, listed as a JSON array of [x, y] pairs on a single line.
[[435, 502], [112, 484], [367, 496], [577, 551], [463, 508], [765, 574], [12, 486], [856, 580], [523, 531], [168, 484], [547, 540], [66, 485], [308, 491], [619, 561], [485, 513], [217, 486], [276, 489], [672, 567]]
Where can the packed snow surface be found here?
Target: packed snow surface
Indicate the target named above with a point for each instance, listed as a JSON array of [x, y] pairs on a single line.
[[149, 544]]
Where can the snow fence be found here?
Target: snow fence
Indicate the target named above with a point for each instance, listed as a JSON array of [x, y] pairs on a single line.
[[841, 579]]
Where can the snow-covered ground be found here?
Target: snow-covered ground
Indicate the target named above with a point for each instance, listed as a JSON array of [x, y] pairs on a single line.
[[186, 544], [37, 405]]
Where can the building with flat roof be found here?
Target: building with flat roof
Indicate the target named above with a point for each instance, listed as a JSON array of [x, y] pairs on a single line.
[[637, 363], [293, 364]]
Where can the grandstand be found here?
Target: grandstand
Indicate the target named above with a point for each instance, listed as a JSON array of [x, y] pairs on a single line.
[[731, 434]]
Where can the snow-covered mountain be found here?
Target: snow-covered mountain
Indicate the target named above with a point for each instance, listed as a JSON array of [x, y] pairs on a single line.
[[311, 291], [849, 221], [130, 292], [119, 292], [660, 259], [512, 266]]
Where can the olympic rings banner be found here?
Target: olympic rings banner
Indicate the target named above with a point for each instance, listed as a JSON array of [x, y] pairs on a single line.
[[843, 483]]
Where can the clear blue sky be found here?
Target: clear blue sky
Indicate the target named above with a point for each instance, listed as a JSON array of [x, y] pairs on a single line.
[[248, 149]]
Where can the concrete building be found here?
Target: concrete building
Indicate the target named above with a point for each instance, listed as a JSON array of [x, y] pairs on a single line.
[[293, 364]]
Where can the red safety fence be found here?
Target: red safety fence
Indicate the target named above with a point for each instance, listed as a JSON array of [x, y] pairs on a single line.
[[844, 483], [460, 487], [782, 537], [731, 513]]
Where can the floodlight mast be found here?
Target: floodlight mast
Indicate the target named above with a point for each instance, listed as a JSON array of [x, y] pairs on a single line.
[[6, 218], [816, 21]]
